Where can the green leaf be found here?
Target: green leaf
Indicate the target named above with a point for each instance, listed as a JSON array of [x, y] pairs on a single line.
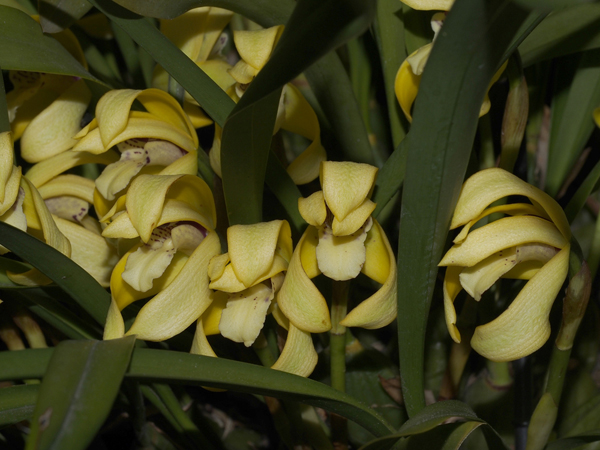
[[23, 46], [577, 94], [4, 122], [390, 177], [74, 280], [549, 5], [314, 29], [282, 186], [213, 100], [257, 11], [574, 441], [583, 192], [563, 32], [17, 403], [79, 387], [183, 368], [467, 53], [56, 15], [430, 419], [389, 31]]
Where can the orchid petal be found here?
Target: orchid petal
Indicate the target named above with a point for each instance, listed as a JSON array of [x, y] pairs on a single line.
[[452, 288], [176, 307], [427, 5], [380, 309], [503, 233], [200, 345], [353, 221], [298, 356], [114, 328], [51, 132], [252, 248], [487, 186], [313, 209], [379, 260], [244, 316], [71, 185], [406, 87], [346, 185], [89, 250], [300, 300], [255, 47], [212, 316], [524, 327], [6, 162], [68, 208], [11, 189]]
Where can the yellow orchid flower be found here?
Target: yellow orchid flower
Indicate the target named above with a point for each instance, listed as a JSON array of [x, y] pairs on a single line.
[[160, 140], [341, 241], [294, 114], [174, 217], [429, 5], [408, 78], [247, 279], [532, 243], [45, 110], [199, 34]]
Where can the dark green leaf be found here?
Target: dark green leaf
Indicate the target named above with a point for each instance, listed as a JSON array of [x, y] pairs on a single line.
[[74, 280], [282, 186], [213, 100], [17, 403], [183, 368], [4, 122], [466, 54], [56, 15], [574, 441], [549, 5], [23, 46], [583, 192], [563, 32], [577, 94], [390, 178], [79, 387], [314, 29], [258, 11]]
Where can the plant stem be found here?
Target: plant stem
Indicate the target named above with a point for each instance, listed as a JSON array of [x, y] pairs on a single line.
[[337, 346]]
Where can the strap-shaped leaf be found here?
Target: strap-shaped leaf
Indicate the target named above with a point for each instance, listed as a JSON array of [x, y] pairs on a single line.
[[549, 5], [77, 393], [56, 15], [17, 403], [466, 54], [182, 368], [563, 32], [23, 46], [314, 29], [75, 281]]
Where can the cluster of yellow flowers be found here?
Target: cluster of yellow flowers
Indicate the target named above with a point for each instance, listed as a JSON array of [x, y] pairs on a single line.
[[153, 235]]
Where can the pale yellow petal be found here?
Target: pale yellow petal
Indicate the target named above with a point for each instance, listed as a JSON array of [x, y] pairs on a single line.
[[112, 113], [46, 170], [313, 209], [245, 313], [308, 253], [179, 305], [342, 257], [427, 5], [452, 288], [52, 131], [114, 328], [300, 300], [380, 309], [200, 345], [72, 185], [346, 185], [487, 186], [504, 233], [255, 46], [11, 189], [298, 356], [524, 327], [252, 248], [6, 161], [212, 316], [89, 250], [406, 87], [380, 258], [353, 221]]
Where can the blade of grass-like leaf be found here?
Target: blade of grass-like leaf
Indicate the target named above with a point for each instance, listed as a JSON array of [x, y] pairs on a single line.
[[572, 122], [184, 368], [74, 280], [282, 186], [4, 122], [549, 5], [417, 28], [257, 10], [17, 403], [213, 100], [466, 54], [573, 442], [583, 192], [55, 314], [56, 15], [315, 28], [79, 387], [431, 417], [23, 46], [389, 31], [390, 177], [562, 32]]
